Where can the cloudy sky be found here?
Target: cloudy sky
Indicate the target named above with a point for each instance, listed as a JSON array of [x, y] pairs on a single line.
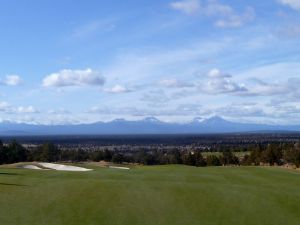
[[65, 61]]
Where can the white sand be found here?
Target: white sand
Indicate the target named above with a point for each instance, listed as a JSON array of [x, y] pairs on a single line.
[[118, 167], [63, 167], [31, 167]]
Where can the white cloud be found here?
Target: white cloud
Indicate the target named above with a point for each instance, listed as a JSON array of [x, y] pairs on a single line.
[[4, 107], [68, 77], [7, 108], [180, 110], [288, 89], [58, 111], [28, 109], [224, 15], [220, 83], [241, 110], [260, 113], [268, 89], [174, 83], [294, 4], [187, 6], [216, 73], [117, 89], [11, 80]]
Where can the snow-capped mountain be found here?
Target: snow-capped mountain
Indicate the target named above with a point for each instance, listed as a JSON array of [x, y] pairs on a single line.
[[149, 125]]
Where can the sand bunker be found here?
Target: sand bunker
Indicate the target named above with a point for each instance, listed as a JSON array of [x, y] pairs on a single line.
[[31, 167], [63, 167], [118, 167]]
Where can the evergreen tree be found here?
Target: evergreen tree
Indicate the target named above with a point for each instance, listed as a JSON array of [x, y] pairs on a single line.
[[213, 160]]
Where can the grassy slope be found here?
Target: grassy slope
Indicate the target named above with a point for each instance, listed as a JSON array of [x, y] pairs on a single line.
[[151, 195]]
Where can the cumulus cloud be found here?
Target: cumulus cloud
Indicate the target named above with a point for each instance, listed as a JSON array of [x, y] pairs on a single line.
[[216, 73], [11, 80], [294, 4], [220, 83], [69, 77], [217, 82], [28, 109], [118, 89], [224, 15], [7, 108]]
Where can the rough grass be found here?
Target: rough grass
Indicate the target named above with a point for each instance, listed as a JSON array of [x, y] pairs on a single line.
[[151, 195]]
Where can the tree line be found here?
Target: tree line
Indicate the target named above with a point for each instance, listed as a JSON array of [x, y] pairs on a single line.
[[269, 154]]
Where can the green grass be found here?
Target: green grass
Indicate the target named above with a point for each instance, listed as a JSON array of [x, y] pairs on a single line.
[[151, 195]]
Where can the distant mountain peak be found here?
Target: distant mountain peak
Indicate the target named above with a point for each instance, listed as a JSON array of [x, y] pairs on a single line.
[[151, 119], [197, 120], [118, 120], [215, 120]]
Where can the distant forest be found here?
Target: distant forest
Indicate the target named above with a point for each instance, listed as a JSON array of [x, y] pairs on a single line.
[[258, 154]]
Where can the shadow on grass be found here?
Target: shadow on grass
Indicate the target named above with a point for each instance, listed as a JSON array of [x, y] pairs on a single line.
[[12, 174], [18, 185]]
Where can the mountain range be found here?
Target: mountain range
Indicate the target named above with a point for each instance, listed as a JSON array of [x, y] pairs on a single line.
[[149, 125]]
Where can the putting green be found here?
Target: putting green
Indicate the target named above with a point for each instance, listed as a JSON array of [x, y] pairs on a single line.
[[151, 195]]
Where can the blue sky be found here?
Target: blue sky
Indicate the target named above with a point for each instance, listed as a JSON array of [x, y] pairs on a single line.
[[85, 61]]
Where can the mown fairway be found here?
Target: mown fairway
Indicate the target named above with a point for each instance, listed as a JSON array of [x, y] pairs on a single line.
[[151, 195]]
